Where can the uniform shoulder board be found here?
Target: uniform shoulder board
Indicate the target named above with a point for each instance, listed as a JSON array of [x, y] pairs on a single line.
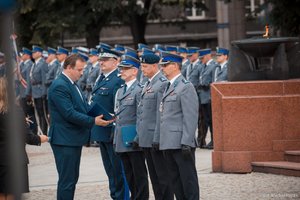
[[162, 79], [185, 81]]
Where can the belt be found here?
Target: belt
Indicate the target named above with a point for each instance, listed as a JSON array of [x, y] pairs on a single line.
[[204, 87]]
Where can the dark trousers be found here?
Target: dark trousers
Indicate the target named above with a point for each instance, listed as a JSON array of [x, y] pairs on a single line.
[[159, 174], [202, 128], [113, 168], [136, 174], [39, 106], [67, 160], [183, 174], [28, 110], [208, 118]]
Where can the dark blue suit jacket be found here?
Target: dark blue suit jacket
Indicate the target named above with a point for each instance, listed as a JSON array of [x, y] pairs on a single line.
[[104, 93], [69, 125]]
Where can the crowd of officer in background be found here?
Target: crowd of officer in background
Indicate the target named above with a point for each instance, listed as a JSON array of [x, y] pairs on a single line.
[[164, 91]]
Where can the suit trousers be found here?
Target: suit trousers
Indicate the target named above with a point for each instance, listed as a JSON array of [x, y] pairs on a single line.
[[40, 109], [28, 110], [183, 174], [67, 160], [159, 174], [113, 168], [136, 174]]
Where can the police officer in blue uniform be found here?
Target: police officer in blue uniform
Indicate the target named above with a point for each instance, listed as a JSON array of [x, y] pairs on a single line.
[[149, 124], [127, 100], [104, 93], [206, 77], [178, 123], [37, 86]]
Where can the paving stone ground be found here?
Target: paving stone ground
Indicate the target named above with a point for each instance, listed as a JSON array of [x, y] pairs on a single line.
[[93, 183]]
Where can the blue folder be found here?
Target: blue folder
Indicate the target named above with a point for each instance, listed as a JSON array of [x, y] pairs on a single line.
[[128, 134], [97, 109]]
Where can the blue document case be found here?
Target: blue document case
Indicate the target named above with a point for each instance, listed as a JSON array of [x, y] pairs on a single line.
[[96, 110], [128, 134]]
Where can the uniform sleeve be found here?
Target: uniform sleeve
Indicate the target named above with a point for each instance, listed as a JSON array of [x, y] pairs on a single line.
[[190, 108]]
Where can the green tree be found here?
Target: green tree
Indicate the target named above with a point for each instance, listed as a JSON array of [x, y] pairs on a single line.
[[136, 13], [46, 22], [284, 16]]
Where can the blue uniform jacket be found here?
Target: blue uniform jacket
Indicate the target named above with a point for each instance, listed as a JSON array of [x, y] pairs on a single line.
[[104, 93]]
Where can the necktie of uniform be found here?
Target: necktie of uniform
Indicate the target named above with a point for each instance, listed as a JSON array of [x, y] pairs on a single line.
[[100, 78], [188, 71], [125, 88], [168, 86]]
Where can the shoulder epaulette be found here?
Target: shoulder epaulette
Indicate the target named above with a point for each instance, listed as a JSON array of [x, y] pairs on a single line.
[[185, 81], [162, 79]]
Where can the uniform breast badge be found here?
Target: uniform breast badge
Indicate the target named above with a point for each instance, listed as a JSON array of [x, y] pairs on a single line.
[[161, 107]]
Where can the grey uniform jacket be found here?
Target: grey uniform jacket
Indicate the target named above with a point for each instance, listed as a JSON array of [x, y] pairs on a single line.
[[52, 69], [127, 103], [184, 67], [206, 78], [25, 68], [178, 115], [37, 79], [220, 74], [148, 118], [192, 74]]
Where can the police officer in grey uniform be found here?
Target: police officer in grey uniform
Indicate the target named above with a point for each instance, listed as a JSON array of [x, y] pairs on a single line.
[[182, 51], [25, 96], [148, 124], [127, 100], [37, 86], [220, 73], [178, 124], [61, 55], [206, 76], [53, 65], [93, 71]]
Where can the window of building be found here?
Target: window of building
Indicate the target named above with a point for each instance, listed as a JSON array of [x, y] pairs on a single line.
[[252, 7], [193, 12]]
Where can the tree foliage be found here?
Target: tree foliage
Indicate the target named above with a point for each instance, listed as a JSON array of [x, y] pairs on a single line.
[[285, 16]]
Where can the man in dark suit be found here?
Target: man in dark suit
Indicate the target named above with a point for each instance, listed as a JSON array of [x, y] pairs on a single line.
[[104, 93], [70, 125]]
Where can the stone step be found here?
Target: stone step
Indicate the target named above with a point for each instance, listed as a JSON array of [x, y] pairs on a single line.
[[277, 167], [292, 156]]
